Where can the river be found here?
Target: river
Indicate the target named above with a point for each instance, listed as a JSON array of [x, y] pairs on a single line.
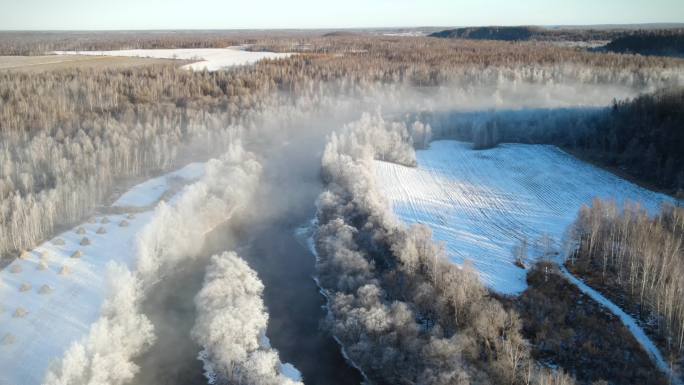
[[265, 237]]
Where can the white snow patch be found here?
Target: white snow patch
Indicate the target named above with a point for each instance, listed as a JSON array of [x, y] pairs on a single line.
[[211, 59], [149, 192], [288, 370], [482, 203]]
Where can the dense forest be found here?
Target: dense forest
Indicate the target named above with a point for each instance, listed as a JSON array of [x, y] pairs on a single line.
[[43, 42], [524, 33], [490, 33], [642, 137], [665, 43]]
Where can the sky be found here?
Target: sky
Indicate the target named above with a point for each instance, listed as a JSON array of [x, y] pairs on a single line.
[[269, 14]]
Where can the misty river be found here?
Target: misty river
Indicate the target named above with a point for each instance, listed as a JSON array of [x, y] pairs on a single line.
[[265, 238]]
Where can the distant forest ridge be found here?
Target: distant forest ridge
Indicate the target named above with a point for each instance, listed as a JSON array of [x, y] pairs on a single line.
[[622, 34], [523, 33], [662, 42]]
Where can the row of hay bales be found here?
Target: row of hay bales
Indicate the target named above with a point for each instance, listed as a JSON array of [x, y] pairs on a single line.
[[42, 265]]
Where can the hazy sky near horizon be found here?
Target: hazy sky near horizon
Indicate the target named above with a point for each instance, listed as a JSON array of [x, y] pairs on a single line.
[[246, 14]]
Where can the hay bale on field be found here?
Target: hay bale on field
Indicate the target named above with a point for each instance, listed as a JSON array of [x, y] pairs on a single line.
[[101, 230], [123, 223], [9, 339], [77, 254], [16, 269], [104, 220], [64, 270], [85, 241], [42, 265], [80, 231], [25, 287], [20, 312], [58, 242], [45, 289]]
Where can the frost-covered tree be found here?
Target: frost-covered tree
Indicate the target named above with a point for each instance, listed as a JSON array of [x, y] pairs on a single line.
[[231, 325]]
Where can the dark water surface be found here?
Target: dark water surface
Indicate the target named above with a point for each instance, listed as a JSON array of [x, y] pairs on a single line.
[[296, 308]]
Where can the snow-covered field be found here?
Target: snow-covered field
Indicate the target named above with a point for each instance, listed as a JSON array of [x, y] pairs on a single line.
[[481, 204], [50, 297], [212, 59], [149, 192]]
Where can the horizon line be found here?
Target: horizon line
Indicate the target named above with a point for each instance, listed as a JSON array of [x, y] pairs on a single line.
[[346, 28]]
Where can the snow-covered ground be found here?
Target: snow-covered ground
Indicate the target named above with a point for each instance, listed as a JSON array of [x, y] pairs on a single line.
[[406, 34], [286, 369], [212, 59], [482, 204], [149, 192], [50, 298], [63, 297]]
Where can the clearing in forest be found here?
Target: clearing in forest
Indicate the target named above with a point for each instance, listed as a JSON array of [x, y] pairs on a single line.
[[485, 204]]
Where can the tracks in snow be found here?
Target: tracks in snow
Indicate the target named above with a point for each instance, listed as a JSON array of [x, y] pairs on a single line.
[[482, 203]]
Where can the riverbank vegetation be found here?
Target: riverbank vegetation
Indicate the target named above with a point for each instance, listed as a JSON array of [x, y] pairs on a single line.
[[402, 311]]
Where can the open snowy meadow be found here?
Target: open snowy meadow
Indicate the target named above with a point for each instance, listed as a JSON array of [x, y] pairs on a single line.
[[211, 59], [482, 204]]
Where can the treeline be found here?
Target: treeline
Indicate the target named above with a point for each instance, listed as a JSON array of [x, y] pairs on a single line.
[[523, 33], [628, 251], [490, 33], [487, 129], [641, 136], [664, 42], [67, 136], [403, 312], [44, 42]]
